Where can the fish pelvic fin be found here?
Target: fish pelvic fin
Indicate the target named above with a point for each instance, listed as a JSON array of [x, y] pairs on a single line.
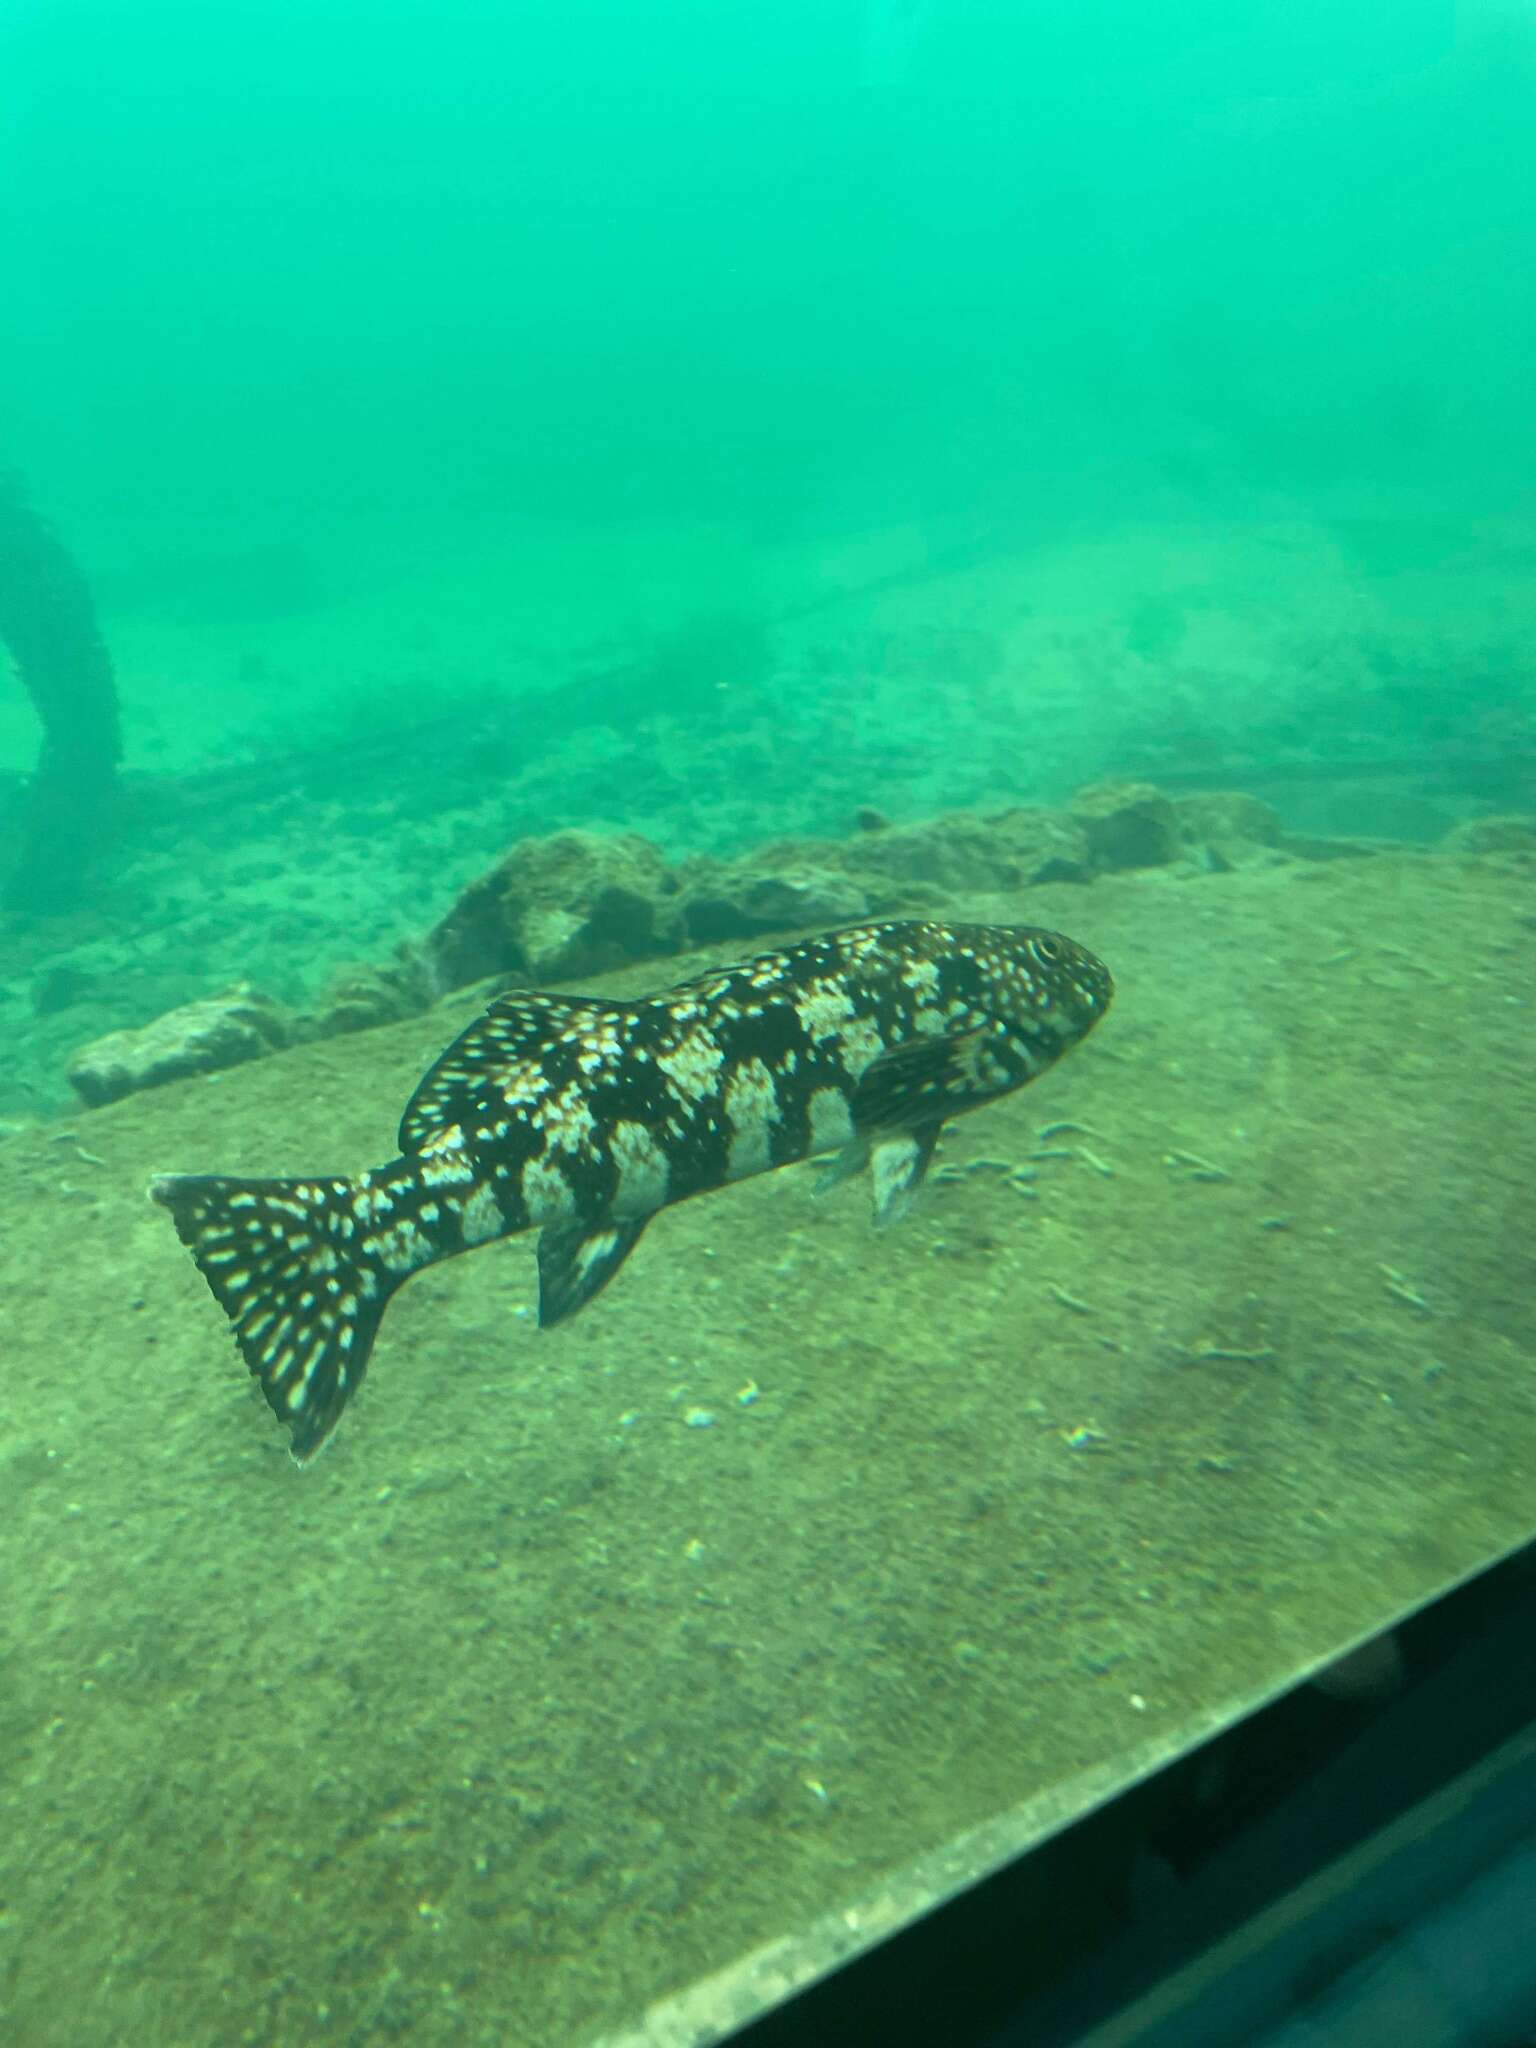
[[898, 1163], [282, 1261]]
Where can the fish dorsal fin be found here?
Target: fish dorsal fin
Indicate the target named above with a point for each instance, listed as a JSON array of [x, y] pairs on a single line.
[[919, 1084], [516, 1026], [577, 1260]]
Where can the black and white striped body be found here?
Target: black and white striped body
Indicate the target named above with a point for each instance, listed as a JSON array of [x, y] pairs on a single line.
[[581, 1117]]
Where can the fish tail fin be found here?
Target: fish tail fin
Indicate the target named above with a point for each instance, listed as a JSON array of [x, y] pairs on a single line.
[[283, 1261]]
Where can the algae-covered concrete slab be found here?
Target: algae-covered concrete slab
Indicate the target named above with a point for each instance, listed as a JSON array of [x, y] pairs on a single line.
[[808, 1570]]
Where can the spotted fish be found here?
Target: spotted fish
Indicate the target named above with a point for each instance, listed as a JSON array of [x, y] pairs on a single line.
[[581, 1116]]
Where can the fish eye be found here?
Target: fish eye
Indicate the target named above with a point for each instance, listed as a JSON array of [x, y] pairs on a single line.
[[1048, 949]]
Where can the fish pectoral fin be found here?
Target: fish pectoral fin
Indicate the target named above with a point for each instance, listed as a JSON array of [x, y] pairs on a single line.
[[898, 1161], [841, 1166], [916, 1084], [577, 1260]]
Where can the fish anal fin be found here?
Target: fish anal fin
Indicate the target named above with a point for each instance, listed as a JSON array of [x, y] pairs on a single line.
[[577, 1260]]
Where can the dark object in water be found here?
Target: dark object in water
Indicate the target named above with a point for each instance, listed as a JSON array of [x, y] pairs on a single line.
[[48, 621], [581, 1117]]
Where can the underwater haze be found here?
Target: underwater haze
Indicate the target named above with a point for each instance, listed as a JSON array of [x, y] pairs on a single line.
[[336, 340], [599, 602]]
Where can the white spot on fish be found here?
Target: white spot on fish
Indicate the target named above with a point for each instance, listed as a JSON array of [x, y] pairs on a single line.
[[859, 1045], [521, 1084], [644, 1174], [691, 1067], [402, 1248], [824, 1008], [831, 1120], [752, 1105], [480, 1217], [371, 1200], [445, 1169], [567, 1120], [547, 1194]]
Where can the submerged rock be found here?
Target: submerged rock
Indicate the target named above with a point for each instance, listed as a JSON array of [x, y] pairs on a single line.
[[1038, 845], [1320, 846], [1128, 825], [960, 852], [361, 994], [927, 868], [742, 902], [198, 1038], [1491, 835], [1220, 816], [1226, 829], [579, 903], [574, 903]]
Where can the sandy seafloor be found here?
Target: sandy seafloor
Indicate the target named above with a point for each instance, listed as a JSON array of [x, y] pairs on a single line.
[[531, 1702]]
